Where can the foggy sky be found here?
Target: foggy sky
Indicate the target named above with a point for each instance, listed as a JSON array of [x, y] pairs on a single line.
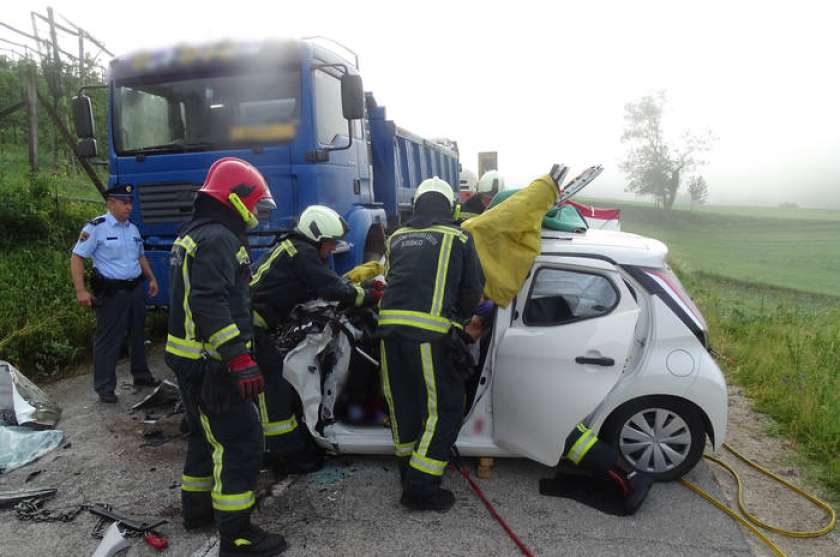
[[543, 84]]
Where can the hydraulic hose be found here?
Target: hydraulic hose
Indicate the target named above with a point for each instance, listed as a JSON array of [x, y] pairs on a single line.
[[748, 519]]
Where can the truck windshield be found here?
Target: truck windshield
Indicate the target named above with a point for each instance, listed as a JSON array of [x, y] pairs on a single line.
[[205, 113]]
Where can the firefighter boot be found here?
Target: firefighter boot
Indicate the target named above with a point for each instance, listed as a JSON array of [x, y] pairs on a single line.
[[196, 509], [251, 541], [438, 499], [634, 485]]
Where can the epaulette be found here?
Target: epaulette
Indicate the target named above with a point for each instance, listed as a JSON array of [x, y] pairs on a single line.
[[97, 220]]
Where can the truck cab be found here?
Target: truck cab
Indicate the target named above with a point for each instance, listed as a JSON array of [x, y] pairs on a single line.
[[294, 109]]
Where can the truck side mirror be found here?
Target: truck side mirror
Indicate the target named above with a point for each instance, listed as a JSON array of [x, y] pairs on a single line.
[[87, 148], [83, 117], [352, 97]]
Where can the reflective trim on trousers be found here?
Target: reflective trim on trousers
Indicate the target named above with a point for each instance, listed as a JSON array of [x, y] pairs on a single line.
[[582, 446], [196, 484], [427, 465], [431, 399]]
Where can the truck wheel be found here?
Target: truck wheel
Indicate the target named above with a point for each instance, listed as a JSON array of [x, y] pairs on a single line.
[[661, 436]]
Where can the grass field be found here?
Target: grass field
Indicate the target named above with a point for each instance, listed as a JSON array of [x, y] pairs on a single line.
[[797, 249]]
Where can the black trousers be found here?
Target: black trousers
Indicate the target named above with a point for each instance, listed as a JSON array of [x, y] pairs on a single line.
[[119, 313], [224, 447], [284, 436], [426, 404]]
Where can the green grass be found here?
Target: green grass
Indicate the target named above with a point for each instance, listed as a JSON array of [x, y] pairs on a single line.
[[784, 348], [801, 254]]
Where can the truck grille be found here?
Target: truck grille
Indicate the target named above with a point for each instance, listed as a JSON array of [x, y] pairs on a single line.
[[165, 203]]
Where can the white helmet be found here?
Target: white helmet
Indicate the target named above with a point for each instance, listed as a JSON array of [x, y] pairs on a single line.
[[321, 223], [491, 182], [437, 185]]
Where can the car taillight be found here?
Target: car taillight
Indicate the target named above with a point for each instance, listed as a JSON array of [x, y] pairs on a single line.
[[672, 285]]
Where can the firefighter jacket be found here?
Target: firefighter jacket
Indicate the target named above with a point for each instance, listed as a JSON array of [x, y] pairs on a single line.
[[209, 309], [292, 274], [434, 280]]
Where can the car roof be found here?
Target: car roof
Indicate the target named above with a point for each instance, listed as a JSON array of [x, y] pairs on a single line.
[[622, 248]]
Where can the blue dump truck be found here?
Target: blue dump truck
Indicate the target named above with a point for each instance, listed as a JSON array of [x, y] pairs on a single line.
[[294, 109]]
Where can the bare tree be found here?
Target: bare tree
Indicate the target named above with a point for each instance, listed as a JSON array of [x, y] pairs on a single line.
[[652, 165]]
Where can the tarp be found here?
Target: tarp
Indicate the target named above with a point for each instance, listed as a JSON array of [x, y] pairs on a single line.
[[564, 218], [22, 402], [507, 238]]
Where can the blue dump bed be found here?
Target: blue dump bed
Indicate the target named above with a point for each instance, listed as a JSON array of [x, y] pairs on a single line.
[[401, 160]]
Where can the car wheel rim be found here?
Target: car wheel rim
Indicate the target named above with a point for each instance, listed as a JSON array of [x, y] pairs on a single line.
[[655, 440]]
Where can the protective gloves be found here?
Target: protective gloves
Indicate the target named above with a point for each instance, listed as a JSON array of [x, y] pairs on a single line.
[[247, 376]]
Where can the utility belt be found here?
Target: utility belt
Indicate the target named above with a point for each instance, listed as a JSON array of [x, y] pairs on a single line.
[[100, 285]]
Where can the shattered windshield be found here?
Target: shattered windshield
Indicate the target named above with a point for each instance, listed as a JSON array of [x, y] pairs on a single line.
[[205, 113]]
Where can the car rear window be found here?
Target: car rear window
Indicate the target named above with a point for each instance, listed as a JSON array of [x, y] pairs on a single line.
[[561, 296]]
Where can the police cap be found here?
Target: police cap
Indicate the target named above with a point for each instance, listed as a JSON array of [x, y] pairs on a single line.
[[120, 191]]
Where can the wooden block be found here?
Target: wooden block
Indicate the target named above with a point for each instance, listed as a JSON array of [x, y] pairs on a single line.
[[485, 467]]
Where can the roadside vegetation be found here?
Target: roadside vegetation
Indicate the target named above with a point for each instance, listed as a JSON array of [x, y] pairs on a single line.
[[769, 289]]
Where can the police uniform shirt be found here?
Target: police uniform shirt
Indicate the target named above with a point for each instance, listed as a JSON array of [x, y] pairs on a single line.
[[114, 246]]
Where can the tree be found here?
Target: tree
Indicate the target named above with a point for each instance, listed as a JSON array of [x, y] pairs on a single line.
[[698, 189], [654, 166]]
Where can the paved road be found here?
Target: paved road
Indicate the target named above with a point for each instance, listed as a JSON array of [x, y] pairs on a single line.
[[349, 508]]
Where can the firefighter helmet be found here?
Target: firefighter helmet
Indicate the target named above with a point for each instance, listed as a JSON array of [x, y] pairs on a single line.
[[321, 223], [238, 185], [491, 183], [436, 185]]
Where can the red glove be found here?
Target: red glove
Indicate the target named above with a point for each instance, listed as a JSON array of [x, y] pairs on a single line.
[[247, 376], [374, 292]]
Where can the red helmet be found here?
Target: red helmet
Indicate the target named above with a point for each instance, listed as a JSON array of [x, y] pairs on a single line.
[[240, 186]]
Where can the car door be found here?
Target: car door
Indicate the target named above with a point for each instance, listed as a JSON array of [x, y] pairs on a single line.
[[564, 350]]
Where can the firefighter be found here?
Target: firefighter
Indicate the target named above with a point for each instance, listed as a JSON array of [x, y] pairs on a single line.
[[296, 271], [119, 265], [208, 348], [434, 283], [489, 185]]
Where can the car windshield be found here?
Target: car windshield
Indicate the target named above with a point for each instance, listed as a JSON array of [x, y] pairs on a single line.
[[207, 112]]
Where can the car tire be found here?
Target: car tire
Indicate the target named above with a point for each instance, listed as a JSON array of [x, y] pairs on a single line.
[[661, 436]]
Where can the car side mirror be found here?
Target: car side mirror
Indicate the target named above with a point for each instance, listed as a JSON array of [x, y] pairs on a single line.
[[352, 97], [83, 117]]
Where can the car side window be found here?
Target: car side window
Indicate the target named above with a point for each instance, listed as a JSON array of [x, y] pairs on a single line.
[[560, 296]]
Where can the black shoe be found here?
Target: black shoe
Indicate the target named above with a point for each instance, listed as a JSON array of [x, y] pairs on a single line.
[[440, 500], [304, 462], [146, 382], [108, 398], [634, 487], [197, 522], [253, 542]]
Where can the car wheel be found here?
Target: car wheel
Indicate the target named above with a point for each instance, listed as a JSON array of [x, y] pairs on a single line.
[[663, 437]]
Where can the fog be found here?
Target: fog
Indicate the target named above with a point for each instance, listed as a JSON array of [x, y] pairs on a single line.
[[543, 84]]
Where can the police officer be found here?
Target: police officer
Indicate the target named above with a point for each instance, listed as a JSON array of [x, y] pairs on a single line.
[[434, 283], [208, 348], [491, 183], [295, 272], [117, 294]]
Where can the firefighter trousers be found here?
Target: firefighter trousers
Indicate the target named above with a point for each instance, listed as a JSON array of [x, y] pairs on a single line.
[[584, 449], [426, 405], [283, 435], [224, 448]]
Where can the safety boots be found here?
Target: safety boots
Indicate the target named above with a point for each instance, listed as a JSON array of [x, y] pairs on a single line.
[[438, 499], [634, 485], [252, 541]]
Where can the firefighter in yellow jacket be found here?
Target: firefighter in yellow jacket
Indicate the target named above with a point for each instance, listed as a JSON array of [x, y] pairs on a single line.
[[434, 283], [209, 349]]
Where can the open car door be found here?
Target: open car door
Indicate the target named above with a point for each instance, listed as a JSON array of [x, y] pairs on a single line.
[[571, 330]]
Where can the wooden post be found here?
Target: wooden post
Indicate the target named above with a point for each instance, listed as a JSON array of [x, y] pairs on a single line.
[[81, 57], [89, 170], [57, 91], [32, 114]]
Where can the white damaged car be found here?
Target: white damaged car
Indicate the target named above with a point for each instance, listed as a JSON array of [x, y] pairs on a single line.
[[601, 329]]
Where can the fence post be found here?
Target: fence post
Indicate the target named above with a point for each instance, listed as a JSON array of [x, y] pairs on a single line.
[[32, 114]]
